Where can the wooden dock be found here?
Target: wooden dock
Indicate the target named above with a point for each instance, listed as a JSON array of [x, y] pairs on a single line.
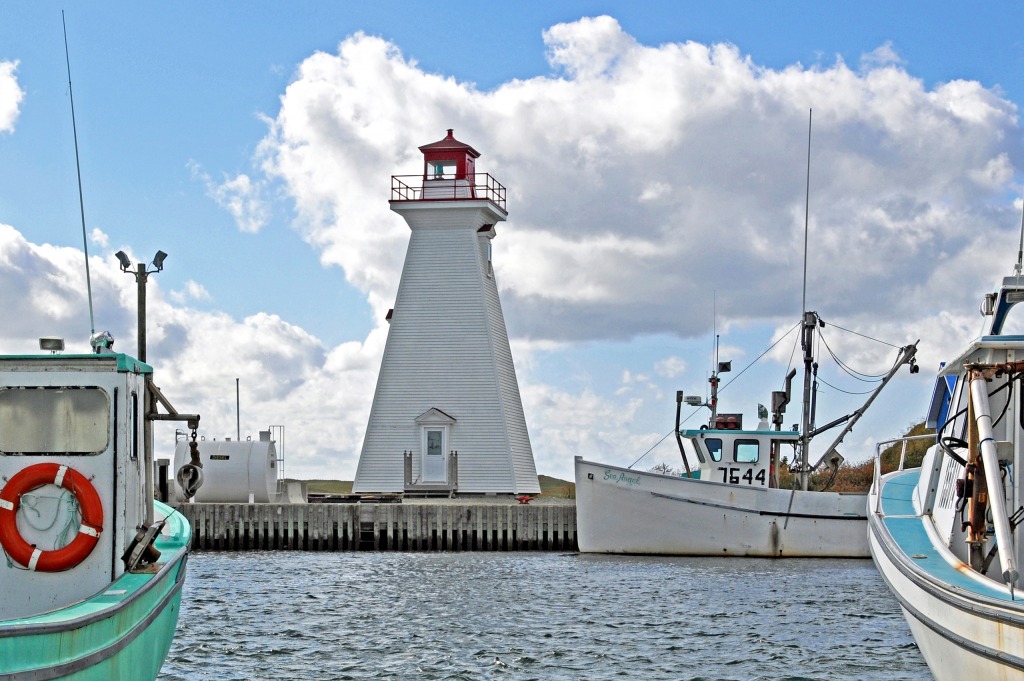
[[451, 525]]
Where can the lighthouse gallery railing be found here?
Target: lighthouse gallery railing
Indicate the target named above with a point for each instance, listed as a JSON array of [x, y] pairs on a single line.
[[448, 188]]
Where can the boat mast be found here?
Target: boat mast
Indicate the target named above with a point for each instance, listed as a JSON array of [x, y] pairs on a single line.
[[810, 321]]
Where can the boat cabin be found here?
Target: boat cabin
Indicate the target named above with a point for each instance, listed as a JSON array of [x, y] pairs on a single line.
[[740, 457], [72, 475]]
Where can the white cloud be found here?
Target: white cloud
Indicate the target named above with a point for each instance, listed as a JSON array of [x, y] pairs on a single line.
[[193, 291], [882, 55], [11, 95], [640, 178], [642, 181], [99, 238], [241, 196], [670, 367]]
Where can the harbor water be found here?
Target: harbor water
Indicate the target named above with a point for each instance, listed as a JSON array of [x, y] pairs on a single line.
[[297, 615]]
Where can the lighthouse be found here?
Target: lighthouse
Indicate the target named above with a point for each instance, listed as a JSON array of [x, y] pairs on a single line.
[[447, 417]]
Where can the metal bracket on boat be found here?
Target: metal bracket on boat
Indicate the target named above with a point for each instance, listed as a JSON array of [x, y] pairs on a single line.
[[141, 550], [172, 414], [190, 476]]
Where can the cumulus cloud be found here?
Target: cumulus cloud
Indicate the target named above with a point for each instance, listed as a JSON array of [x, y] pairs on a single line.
[[241, 196], [882, 55], [670, 367], [193, 291], [641, 181], [100, 238], [641, 177], [11, 95]]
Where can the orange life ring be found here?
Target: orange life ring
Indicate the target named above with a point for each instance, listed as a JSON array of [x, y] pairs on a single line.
[[34, 477]]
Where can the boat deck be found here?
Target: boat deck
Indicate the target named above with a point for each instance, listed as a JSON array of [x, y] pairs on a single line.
[[909, 532]]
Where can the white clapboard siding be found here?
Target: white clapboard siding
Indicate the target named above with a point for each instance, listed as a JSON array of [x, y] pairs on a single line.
[[448, 349]]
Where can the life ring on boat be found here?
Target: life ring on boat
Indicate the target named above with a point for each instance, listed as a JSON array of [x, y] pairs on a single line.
[[34, 477]]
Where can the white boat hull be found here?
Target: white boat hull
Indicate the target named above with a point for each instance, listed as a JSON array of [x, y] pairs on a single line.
[[626, 511], [966, 626]]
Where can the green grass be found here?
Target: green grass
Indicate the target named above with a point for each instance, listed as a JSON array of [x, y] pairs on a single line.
[[329, 486]]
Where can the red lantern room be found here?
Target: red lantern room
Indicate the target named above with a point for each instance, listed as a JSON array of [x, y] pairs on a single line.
[[449, 174], [449, 159]]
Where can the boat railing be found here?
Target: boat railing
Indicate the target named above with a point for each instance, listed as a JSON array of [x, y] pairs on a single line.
[[880, 449]]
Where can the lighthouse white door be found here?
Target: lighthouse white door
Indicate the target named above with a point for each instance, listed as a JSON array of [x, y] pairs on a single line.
[[435, 460]]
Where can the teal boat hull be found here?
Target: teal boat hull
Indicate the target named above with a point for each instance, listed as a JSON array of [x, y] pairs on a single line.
[[121, 634]]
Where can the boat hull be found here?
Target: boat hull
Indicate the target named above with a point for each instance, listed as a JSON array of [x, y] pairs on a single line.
[[965, 625], [620, 510], [122, 633]]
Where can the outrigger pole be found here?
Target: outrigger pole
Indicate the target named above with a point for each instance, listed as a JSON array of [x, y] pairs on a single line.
[[831, 456]]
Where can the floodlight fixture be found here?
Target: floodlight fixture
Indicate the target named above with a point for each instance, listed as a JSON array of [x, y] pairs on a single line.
[[54, 344], [158, 260], [126, 263]]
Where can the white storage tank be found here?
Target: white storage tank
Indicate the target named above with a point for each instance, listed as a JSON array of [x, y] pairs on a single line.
[[233, 471]]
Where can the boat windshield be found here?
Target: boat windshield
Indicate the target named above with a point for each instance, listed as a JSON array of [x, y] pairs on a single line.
[[54, 420], [746, 451], [1013, 324]]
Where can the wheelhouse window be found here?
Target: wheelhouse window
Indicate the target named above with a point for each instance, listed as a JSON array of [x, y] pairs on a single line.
[[714, 446], [54, 420], [746, 451]]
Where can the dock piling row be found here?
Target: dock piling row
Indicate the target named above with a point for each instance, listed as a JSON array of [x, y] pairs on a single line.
[[382, 527]]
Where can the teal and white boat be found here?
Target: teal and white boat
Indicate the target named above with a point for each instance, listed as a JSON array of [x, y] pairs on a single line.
[[947, 536], [92, 568]]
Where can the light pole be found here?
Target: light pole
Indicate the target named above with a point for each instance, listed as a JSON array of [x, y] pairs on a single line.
[[142, 273]]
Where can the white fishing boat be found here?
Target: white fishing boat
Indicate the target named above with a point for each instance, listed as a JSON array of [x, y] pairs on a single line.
[[946, 536], [730, 504]]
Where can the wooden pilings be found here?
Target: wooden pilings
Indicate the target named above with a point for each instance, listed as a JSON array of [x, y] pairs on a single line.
[[451, 526]]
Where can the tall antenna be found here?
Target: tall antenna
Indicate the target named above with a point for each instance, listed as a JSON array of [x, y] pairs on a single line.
[[807, 207], [714, 329], [1020, 248], [809, 322], [78, 168]]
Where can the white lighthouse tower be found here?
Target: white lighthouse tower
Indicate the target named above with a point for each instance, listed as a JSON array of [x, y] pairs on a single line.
[[447, 416]]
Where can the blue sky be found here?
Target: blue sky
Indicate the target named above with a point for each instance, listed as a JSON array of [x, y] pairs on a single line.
[[185, 111]]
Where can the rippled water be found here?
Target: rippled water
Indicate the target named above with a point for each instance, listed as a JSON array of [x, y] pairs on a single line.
[[283, 615]]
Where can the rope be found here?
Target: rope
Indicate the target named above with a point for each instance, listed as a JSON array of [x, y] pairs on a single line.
[[863, 336], [652, 448], [754, 361], [859, 375]]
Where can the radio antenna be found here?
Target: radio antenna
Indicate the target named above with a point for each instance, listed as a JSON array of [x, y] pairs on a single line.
[[78, 168], [1020, 249], [807, 206]]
